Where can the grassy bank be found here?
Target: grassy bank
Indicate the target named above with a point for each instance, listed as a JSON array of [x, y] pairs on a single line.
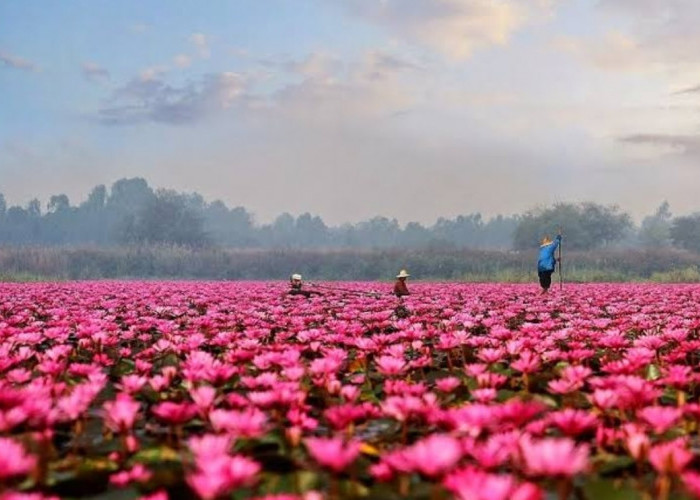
[[33, 264]]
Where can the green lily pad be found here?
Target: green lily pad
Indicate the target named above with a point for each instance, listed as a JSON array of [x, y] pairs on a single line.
[[157, 454], [608, 489]]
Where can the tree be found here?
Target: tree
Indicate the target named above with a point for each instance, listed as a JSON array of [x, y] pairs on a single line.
[[34, 208], [167, 218], [310, 231], [464, 230], [379, 232], [586, 225], [414, 235], [655, 230], [229, 227], [3, 206], [130, 195], [58, 203], [96, 199], [685, 232]]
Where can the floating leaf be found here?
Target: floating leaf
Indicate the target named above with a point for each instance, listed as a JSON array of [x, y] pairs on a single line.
[[157, 454], [609, 489], [368, 449]]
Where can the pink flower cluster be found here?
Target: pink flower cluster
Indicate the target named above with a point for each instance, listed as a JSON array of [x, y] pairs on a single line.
[[481, 391]]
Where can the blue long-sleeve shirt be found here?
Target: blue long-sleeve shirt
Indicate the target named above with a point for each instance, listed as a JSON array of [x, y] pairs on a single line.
[[546, 260]]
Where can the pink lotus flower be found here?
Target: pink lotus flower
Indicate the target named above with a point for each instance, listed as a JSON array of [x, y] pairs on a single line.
[[517, 412], [175, 413], [691, 480], [473, 484], [475, 369], [564, 386], [604, 399], [12, 418], [14, 495], [528, 362], [678, 376], [390, 366], [159, 383], [660, 418], [484, 395], [447, 384], [494, 452], [158, 495], [341, 416], [350, 393], [119, 415], [137, 474], [203, 397], [471, 419], [636, 441], [491, 380], [333, 453], [553, 457], [221, 475], [402, 408], [491, 356], [131, 384], [573, 422], [381, 472], [209, 446], [434, 456], [670, 457], [248, 423], [14, 460]]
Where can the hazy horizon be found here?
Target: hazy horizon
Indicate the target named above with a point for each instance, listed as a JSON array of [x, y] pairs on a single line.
[[347, 109]]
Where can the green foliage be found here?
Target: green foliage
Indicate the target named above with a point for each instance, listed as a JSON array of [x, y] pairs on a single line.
[[685, 232], [689, 274], [655, 230], [585, 225], [168, 218], [172, 261], [132, 213]]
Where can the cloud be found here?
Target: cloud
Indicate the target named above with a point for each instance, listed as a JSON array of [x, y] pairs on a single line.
[[687, 145], [16, 62], [454, 28], [94, 73], [376, 84], [616, 51], [320, 86], [318, 65], [152, 100], [153, 72], [691, 90], [201, 42], [182, 60], [139, 28], [648, 36]]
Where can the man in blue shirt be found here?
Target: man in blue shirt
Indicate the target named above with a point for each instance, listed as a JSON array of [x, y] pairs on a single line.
[[546, 262]]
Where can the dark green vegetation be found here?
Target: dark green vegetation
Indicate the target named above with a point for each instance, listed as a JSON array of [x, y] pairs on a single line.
[[132, 213], [28, 264], [133, 231]]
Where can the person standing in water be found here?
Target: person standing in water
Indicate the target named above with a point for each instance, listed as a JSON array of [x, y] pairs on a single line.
[[546, 262]]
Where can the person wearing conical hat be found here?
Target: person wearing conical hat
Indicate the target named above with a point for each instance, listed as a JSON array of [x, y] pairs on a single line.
[[546, 262], [400, 288]]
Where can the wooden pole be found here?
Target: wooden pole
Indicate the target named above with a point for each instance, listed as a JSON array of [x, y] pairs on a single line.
[[561, 279]]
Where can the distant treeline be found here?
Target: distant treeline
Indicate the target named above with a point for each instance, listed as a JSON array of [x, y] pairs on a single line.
[[170, 262], [131, 213]]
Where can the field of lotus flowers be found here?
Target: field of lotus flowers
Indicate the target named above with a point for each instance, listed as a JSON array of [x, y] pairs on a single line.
[[235, 390]]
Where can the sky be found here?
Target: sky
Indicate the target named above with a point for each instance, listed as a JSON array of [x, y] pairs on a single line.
[[411, 109]]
